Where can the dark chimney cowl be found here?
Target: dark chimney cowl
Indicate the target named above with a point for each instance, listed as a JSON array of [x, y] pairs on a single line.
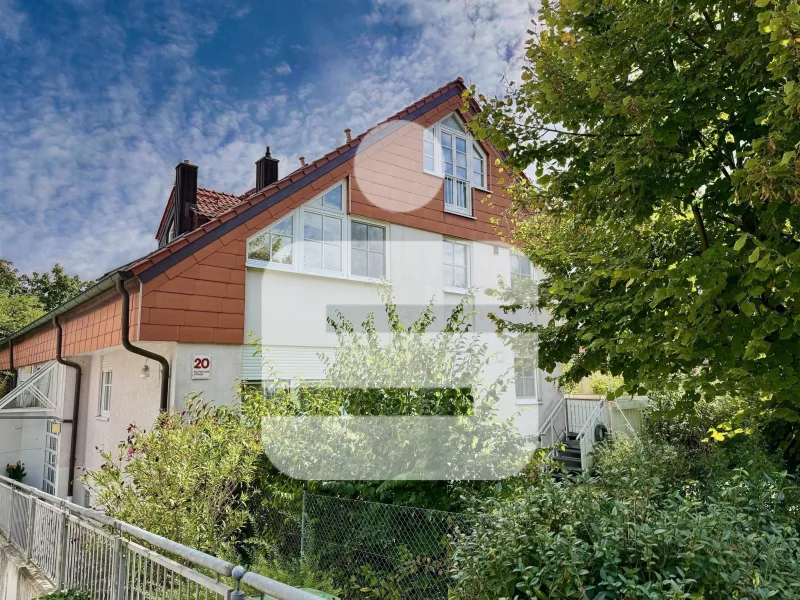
[[266, 171]]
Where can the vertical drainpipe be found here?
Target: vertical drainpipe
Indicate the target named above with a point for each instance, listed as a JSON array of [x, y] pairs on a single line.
[[126, 343], [13, 370], [73, 442]]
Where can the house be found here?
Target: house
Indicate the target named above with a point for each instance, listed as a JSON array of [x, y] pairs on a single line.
[[410, 201]]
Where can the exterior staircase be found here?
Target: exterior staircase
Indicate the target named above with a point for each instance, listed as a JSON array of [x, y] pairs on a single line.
[[569, 432], [568, 453]]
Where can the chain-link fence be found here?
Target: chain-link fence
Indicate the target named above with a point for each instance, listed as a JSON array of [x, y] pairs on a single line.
[[369, 549]]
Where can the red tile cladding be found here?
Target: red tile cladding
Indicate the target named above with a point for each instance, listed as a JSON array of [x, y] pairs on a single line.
[[386, 182], [93, 326]]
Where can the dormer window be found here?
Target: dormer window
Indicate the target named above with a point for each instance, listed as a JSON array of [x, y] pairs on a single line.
[[450, 152]]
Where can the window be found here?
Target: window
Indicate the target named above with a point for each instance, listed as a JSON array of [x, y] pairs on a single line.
[[456, 265], [525, 381], [367, 250], [105, 393], [313, 240], [171, 232], [322, 241], [275, 244], [478, 168], [521, 268], [448, 151], [268, 388], [428, 149]]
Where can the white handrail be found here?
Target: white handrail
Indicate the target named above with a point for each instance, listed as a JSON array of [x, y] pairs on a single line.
[[551, 416], [584, 439], [263, 584]]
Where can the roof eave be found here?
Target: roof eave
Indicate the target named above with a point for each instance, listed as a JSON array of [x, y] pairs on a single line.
[[102, 286]]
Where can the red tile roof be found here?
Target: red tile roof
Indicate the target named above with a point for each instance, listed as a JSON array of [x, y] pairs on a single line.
[[252, 197], [211, 203]]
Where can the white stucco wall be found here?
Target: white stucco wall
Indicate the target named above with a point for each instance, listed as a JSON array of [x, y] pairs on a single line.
[[289, 309], [133, 401], [226, 368]]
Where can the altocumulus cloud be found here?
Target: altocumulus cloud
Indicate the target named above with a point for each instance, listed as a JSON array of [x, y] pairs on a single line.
[[93, 122]]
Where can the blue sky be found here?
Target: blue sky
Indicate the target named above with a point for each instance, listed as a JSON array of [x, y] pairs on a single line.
[[100, 100]]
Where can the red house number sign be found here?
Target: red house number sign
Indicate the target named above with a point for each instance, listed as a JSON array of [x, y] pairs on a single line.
[[201, 366]]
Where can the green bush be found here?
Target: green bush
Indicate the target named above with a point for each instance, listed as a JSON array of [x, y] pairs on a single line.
[[73, 594], [642, 529], [16, 471]]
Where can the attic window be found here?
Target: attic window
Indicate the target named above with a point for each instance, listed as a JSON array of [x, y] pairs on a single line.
[[273, 245], [171, 232], [450, 152]]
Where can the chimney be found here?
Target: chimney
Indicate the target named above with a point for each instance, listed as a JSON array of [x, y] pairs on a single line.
[[266, 171], [185, 197], [348, 134], [302, 161]]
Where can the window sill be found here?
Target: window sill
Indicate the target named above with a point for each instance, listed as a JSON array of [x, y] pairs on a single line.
[[101, 418], [459, 214], [340, 276], [455, 290], [529, 402]]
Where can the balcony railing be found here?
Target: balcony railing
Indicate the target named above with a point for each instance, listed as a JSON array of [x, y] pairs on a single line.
[[457, 197]]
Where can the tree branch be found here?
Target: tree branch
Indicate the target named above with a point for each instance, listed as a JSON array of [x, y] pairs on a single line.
[[701, 228]]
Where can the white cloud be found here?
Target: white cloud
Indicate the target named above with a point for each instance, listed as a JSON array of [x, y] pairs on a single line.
[[283, 69], [88, 159], [11, 21]]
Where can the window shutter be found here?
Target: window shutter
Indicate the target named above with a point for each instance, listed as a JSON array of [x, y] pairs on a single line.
[[107, 362], [283, 362]]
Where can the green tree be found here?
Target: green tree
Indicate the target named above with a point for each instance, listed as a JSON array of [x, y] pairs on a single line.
[[54, 287], [25, 298], [17, 311], [664, 197]]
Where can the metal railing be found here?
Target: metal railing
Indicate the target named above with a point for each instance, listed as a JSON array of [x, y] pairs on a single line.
[[586, 434], [555, 425], [579, 412], [76, 547]]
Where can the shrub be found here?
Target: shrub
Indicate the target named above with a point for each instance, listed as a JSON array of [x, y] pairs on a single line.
[[635, 533], [16, 471], [73, 594]]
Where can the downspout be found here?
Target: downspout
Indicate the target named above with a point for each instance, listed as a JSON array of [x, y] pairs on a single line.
[[14, 372], [73, 443], [126, 343]]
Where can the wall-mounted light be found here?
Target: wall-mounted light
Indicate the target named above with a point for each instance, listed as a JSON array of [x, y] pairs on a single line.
[[145, 371]]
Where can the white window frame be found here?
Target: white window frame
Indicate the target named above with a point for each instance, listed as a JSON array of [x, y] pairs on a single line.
[[253, 262], [104, 409], [323, 212], [528, 400], [472, 147], [468, 247], [298, 243], [515, 276], [386, 245]]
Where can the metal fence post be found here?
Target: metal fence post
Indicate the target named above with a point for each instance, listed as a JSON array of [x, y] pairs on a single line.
[[61, 556], [303, 526], [119, 569], [31, 526]]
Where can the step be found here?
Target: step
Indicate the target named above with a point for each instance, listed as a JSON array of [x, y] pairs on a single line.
[[568, 453], [569, 462]]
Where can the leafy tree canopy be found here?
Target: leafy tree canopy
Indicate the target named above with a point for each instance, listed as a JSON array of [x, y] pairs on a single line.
[[25, 298], [664, 204]]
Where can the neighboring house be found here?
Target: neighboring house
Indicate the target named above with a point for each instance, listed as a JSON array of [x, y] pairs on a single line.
[[404, 202]]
